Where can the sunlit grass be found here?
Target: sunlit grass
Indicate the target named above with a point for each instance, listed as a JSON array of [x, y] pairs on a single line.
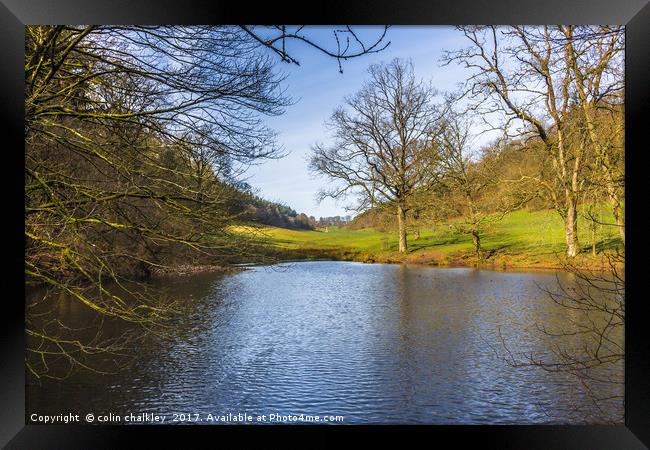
[[521, 238]]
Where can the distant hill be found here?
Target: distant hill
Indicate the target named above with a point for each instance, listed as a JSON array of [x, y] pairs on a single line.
[[260, 210]]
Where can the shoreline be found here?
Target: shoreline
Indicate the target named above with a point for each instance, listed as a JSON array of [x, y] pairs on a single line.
[[345, 255], [188, 270], [460, 261]]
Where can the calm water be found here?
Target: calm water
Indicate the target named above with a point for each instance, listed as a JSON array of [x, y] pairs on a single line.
[[372, 343]]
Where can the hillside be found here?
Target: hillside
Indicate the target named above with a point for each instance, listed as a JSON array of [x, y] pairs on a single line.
[[522, 239]]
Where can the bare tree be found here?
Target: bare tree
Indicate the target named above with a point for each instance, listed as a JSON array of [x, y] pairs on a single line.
[[383, 150], [560, 87], [533, 75], [134, 136], [466, 175], [346, 43], [595, 54], [590, 346]]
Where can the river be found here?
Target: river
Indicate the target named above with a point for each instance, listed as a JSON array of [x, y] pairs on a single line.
[[372, 343]]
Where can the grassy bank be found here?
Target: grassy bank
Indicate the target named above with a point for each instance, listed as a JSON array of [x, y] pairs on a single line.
[[522, 239]]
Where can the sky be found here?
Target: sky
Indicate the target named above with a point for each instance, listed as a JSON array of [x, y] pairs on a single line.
[[317, 88]]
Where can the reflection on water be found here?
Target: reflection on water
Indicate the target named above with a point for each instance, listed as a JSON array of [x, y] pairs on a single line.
[[373, 343]]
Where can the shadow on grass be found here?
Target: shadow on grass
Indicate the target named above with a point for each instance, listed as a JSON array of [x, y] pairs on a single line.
[[436, 242], [604, 245]]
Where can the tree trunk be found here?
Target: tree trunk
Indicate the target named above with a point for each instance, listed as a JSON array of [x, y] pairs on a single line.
[[593, 238], [606, 168], [571, 228], [618, 216], [476, 238], [401, 223]]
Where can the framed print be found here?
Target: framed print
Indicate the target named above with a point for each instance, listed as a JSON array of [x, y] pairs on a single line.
[[370, 218]]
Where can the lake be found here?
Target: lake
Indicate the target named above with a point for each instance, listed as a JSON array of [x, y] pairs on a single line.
[[372, 343]]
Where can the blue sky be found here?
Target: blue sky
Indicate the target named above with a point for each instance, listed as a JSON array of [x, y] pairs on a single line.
[[318, 88]]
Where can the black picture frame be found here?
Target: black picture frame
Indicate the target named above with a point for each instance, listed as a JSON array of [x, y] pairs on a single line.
[[15, 14]]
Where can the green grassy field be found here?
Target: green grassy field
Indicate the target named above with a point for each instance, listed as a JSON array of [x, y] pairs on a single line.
[[520, 239]]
